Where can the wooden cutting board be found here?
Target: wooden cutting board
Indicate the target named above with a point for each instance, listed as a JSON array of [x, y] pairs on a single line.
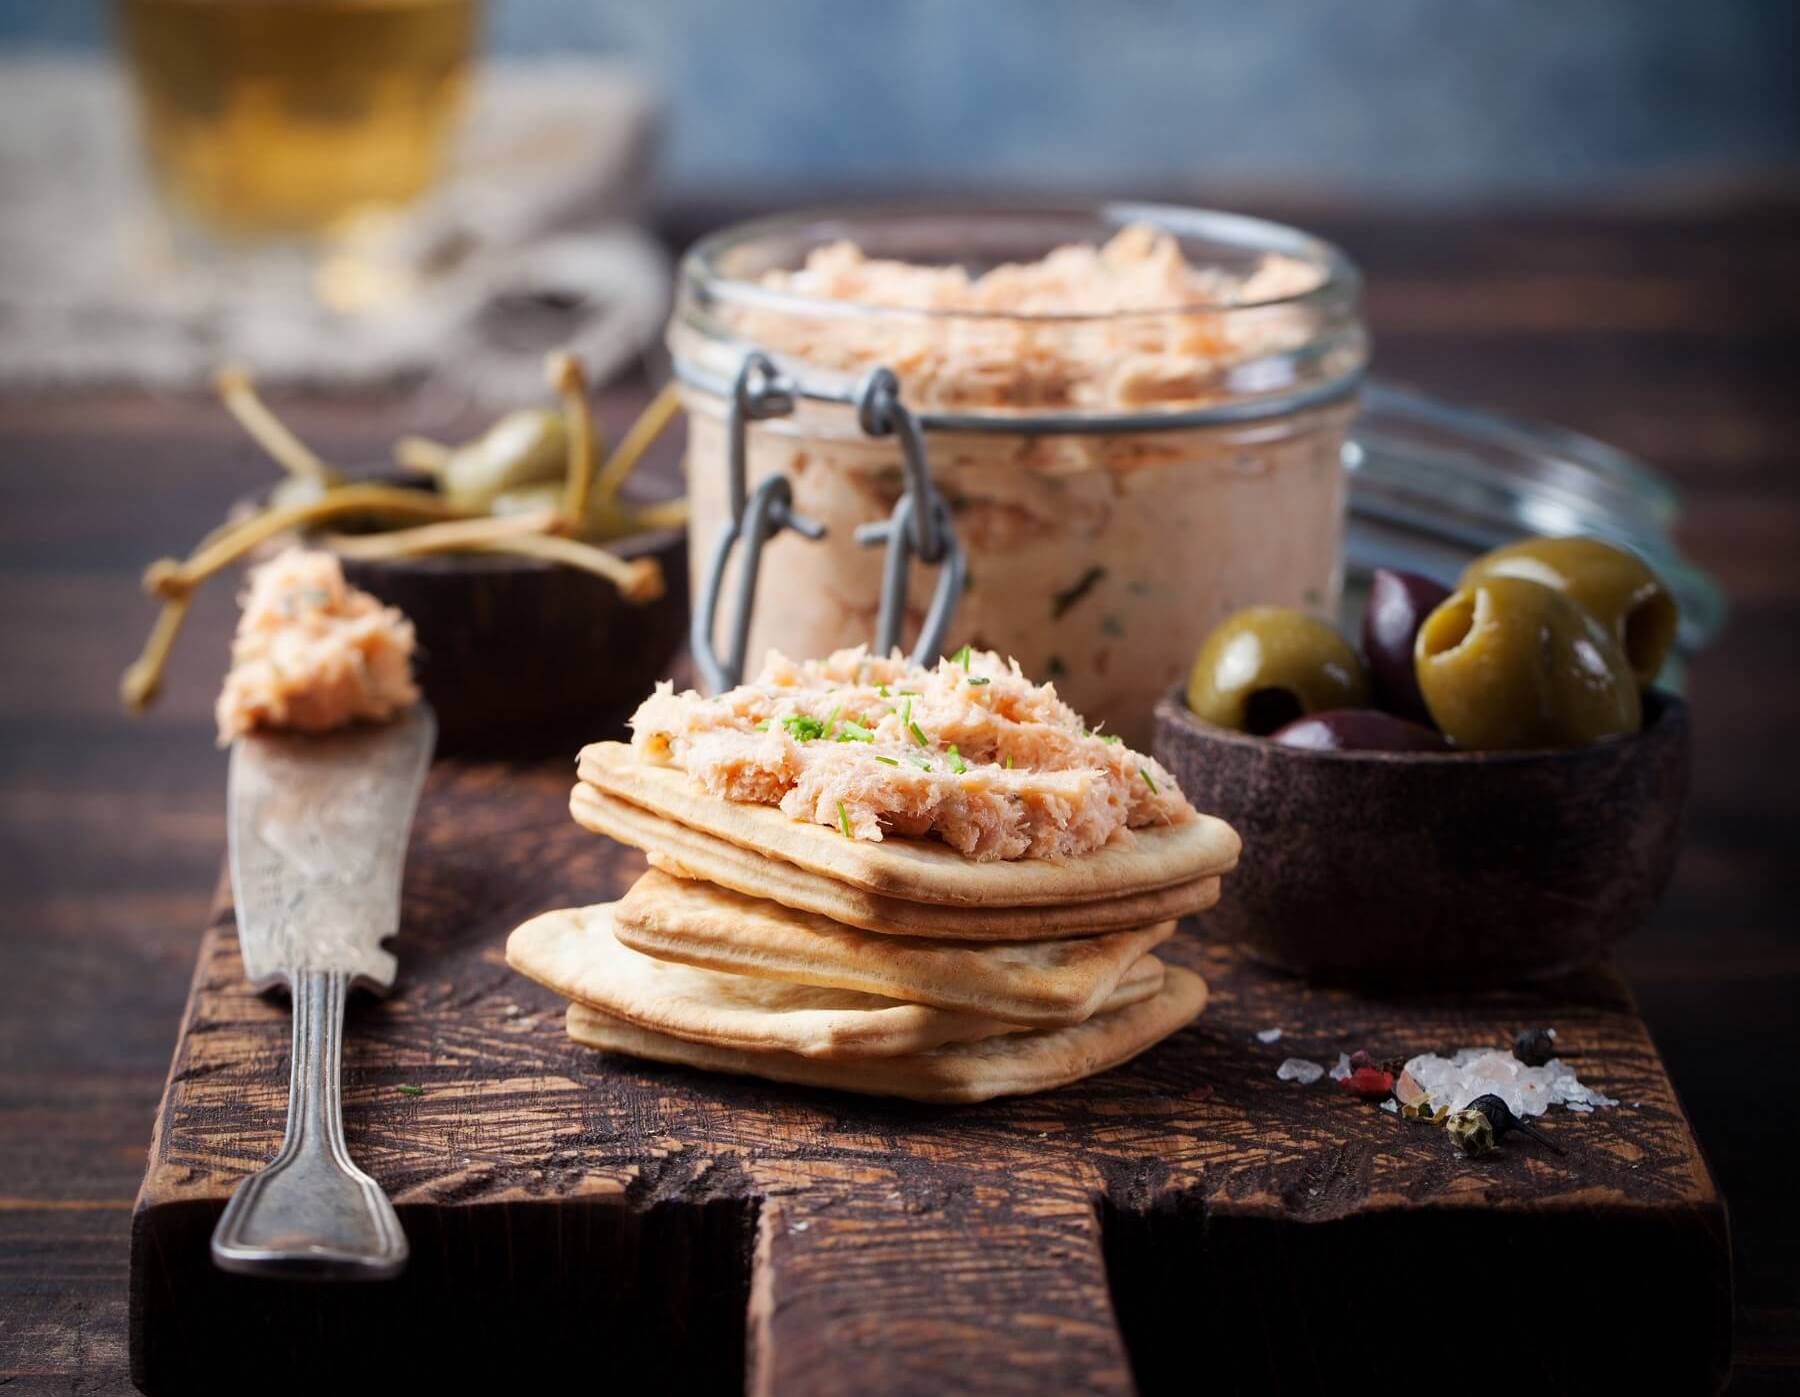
[[1186, 1221]]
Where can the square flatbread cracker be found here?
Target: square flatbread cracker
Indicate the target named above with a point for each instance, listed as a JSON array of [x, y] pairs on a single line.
[[692, 853], [919, 870], [1010, 1065], [1041, 984], [575, 953]]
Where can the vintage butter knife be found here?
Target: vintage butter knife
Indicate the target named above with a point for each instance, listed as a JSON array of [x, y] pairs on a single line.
[[318, 834]]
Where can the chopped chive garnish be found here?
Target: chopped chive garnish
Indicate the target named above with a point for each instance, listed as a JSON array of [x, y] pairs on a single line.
[[881, 689], [917, 734], [1112, 739], [906, 693], [803, 727], [887, 761], [763, 726], [978, 679], [831, 721], [1148, 782], [844, 820], [410, 1091], [853, 731], [957, 764], [961, 657], [906, 713], [922, 764]]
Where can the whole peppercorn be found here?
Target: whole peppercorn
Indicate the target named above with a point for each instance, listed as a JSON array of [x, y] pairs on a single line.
[[1535, 1046], [1501, 1118], [1470, 1131]]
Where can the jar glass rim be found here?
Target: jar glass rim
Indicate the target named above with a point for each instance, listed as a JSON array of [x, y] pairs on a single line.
[[706, 270]]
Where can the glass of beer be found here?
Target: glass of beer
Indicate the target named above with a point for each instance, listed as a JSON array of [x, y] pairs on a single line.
[[288, 118]]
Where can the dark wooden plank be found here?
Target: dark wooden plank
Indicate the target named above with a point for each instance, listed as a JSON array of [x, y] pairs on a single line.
[[974, 1280], [905, 1248]]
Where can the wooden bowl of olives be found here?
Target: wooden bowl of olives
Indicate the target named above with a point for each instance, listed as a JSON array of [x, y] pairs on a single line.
[[1491, 791]]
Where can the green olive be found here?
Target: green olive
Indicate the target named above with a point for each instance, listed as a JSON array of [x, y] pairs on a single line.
[[1616, 587], [1507, 664], [1263, 667]]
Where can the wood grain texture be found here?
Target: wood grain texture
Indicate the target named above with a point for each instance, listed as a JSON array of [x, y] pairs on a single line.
[[900, 1248], [1665, 329]]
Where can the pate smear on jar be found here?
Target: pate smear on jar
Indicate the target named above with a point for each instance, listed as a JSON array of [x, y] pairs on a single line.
[[1136, 431]]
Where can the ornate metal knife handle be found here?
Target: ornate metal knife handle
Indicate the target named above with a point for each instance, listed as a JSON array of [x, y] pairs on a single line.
[[918, 528], [311, 1213]]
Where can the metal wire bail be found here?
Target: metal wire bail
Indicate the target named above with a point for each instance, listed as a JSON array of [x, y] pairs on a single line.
[[898, 531], [919, 526], [880, 413], [758, 392]]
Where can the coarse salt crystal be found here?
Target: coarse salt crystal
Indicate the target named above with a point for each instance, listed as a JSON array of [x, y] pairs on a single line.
[[1298, 1069], [1341, 1069], [1269, 1035], [1527, 1091], [1391, 1106]]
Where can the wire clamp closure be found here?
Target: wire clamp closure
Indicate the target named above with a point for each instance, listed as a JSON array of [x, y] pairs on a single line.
[[919, 526]]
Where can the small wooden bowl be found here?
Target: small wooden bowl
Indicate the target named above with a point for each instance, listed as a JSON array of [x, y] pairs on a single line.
[[1469, 868], [521, 657]]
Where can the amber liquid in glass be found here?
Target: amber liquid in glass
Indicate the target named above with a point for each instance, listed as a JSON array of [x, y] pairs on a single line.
[[288, 116]]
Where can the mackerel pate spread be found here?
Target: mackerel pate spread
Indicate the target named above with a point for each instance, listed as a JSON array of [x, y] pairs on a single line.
[[1099, 559], [970, 752], [313, 653]]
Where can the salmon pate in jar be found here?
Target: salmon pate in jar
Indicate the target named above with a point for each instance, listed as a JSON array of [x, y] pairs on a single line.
[[1134, 416]]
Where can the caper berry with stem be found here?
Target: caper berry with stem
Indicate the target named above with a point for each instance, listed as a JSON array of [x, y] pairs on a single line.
[[523, 448]]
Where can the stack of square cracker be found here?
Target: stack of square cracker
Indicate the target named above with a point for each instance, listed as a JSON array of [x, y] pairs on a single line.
[[762, 945]]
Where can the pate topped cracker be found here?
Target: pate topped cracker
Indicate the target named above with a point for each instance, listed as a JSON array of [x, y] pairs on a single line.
[[969, 750]]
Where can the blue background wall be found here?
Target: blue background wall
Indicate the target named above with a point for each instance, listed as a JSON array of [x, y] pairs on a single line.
[[1425, 98]]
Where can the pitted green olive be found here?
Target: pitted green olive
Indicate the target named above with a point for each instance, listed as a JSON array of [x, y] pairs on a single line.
[[1263, 667], [1509, 664], [1614, 586]]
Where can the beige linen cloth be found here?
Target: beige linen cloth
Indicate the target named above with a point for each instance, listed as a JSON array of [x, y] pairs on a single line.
[[525, 246]]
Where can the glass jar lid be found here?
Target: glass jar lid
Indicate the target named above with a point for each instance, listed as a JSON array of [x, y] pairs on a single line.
[[1433, 484]]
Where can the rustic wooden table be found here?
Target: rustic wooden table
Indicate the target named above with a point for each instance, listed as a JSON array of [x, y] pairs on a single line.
[[1659, 332]]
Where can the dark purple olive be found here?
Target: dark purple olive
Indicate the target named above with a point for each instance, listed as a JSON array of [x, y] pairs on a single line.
[[1359, 730], [1398, 604]]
